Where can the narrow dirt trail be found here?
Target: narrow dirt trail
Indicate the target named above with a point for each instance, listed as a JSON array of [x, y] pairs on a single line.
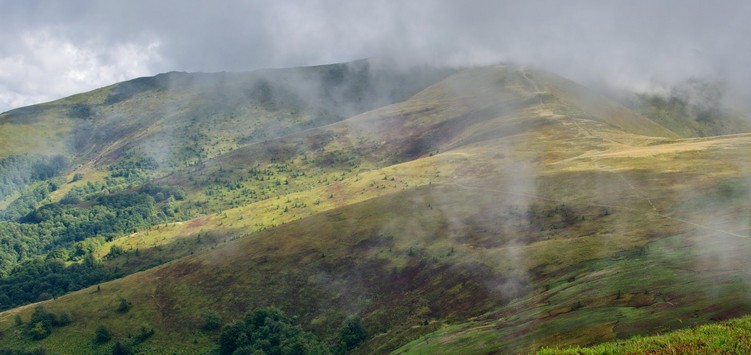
[[589, 133], [534, 85]]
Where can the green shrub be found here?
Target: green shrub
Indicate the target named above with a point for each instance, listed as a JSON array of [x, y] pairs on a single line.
[[41, 322], [124, 306], [40, 330], [102, 334], [121, 349], [143, 335], [352, 333], [211, 320], [64, 318]]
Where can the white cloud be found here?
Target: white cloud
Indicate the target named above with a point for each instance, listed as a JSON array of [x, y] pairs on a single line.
[[45, 66]]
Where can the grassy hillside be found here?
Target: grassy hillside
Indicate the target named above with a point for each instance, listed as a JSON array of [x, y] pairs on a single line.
[[121, 139], [500, 209], [693, 108], [678, 254], [184, 118], [730, 337]]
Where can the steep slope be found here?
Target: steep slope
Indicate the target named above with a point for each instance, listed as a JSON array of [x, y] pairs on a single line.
[[113, 142], [691, 117], [668, 250], [213, 112], [501, 209]]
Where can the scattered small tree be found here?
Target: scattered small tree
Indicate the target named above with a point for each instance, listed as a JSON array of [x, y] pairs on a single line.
[[65, 318], [77, 177], [124, 306], [41, 322], [352, 333], [41, 314], [121, 349], [115, 251], [102, 334], [211, 320], [143, 335], [40, 330]]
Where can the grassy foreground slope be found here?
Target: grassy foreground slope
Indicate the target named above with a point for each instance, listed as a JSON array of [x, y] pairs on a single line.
[[499, 210], [668, 252], [729, 337]]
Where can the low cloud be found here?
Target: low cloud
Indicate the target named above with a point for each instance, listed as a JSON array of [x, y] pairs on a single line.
[[640, 45]]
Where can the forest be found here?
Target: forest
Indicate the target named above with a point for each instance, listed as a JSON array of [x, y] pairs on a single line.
[[46, 247]]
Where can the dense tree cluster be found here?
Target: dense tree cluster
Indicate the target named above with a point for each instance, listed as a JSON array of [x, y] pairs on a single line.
[[67, 233], [29, 200], [62, 225], [39, 279], [133, 165], [16, 171], [352, 333], [268, 331], [38, 238], [42, 322]]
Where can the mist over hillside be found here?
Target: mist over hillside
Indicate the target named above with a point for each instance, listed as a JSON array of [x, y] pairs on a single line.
[[369, 207]]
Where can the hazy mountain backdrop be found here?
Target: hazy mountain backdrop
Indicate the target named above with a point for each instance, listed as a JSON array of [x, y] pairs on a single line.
[[377, 210]]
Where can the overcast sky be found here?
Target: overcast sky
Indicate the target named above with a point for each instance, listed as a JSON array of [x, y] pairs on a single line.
[[53, 48]]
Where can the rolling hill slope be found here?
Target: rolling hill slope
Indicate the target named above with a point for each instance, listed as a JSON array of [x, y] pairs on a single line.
[[500, 209], [181, 118]]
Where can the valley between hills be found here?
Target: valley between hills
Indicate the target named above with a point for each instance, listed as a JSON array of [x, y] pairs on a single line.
[[496, 209]]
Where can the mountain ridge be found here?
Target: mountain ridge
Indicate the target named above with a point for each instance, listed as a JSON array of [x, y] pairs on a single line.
[[497, 209]]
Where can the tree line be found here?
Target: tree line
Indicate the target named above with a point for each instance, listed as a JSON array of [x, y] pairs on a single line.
[[17, 171], [46, 248]]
